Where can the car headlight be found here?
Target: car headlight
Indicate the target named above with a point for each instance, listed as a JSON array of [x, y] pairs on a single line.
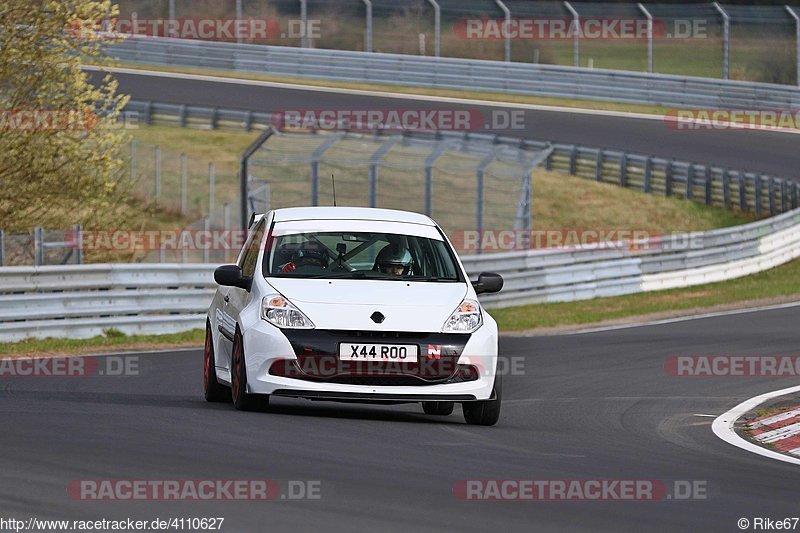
[[280, 312], [465, 319]]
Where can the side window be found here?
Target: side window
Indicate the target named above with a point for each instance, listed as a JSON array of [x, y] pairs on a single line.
[[251, 250]]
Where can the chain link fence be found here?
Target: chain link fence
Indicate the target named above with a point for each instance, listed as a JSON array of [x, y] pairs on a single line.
[[467, 182]]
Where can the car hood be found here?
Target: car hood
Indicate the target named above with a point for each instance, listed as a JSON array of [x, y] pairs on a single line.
[[349, 304]]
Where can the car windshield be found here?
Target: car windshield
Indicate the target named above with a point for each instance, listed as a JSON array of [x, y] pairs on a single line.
[[359, 255]]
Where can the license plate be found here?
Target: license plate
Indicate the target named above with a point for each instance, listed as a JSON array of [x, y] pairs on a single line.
[[403, 353]]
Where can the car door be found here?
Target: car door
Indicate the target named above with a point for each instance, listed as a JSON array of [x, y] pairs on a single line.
[[235, 299]]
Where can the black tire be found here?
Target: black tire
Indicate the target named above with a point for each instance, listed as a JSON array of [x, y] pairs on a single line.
[[213, 390], [242, 400], [485, 412], [438, 408]]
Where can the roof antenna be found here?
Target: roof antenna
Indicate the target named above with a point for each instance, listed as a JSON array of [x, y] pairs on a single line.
[[333, 181]]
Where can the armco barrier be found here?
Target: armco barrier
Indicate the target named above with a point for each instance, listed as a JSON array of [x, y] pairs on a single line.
[[456, 73], [84, 300]]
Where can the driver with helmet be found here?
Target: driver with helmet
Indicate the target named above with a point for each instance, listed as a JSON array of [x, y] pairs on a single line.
[[308, 254], [394, 259]]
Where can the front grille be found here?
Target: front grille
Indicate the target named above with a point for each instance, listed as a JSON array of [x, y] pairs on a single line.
[[317, 353]]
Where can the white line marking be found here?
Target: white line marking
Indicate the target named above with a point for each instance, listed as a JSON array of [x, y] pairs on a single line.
[[723, 426], [710, 416], [430, 98], [678, 319]]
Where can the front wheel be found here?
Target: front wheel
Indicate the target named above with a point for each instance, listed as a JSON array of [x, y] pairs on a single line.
[[242, 400], [213, 390], [485, 412]]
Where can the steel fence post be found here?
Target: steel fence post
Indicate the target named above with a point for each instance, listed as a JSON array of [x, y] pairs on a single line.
[[158, 172], [649, 36], [78, 232], [623, 170], [771, 192], [726, 188], [184, 251], [576, 46], [479, 193], [742, 191], [709, 177], [239, 17], [38, 246], [373, 167], [598, 165], [648, 173], [506, 29], [757, 193], [207, 229], [171, 17], [440, 148], [784, 192], [368, 30], [183, 184], [690, 182], [2, 246], [796, 18], [668, 179], [573, 160], [244, 162], [212, 180], [304, 23], [437, 28], [316, 157], [726, 34]]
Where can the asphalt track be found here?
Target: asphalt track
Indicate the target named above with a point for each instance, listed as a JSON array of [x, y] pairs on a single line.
[[587, 406], [763, 151]]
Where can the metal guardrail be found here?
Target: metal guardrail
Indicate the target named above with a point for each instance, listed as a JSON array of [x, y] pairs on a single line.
[[464, 74], [85, 300]]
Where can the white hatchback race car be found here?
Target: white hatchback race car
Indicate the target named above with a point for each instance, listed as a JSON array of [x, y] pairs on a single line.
[[356, 305]]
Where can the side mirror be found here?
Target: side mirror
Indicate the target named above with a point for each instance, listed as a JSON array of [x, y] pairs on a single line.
[[231, 276], [488, 282]]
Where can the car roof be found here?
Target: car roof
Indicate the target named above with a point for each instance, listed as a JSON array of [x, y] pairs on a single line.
[[350, 213]]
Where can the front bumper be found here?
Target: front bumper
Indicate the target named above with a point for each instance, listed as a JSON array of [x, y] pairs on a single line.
[[270, 352]]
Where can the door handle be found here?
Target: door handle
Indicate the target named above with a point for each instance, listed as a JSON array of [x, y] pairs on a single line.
[[227, 298]]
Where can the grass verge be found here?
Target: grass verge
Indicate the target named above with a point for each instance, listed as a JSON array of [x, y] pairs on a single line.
[[112, 341], [782, 283]]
